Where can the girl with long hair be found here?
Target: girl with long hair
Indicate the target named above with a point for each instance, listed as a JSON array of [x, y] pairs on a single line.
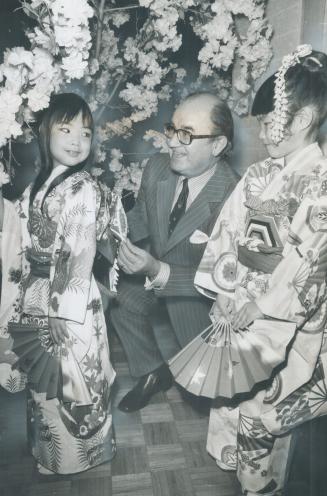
[[62, 215]]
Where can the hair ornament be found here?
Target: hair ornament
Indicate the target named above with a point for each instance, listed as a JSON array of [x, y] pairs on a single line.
[[315, 60], [280, 97]]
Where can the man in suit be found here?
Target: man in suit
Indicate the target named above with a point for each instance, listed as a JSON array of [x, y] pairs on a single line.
[[158, 310]]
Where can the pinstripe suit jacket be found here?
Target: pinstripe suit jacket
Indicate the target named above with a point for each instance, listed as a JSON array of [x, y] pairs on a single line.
[[187, 309]]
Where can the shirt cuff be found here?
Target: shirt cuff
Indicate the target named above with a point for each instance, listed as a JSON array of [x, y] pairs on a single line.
[[161, 279]]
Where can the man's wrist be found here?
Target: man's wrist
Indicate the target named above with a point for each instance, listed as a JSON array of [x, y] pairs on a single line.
[[161, 279]]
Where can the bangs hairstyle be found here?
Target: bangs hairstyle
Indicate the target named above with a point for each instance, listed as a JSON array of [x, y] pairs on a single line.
[[63, 108], [305, 84]]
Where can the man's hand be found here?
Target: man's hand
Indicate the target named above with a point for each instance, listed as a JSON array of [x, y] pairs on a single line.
[[134, 260], [246, 315], [58, 330]]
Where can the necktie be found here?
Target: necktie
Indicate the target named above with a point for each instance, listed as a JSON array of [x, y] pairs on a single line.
[[179, 208]]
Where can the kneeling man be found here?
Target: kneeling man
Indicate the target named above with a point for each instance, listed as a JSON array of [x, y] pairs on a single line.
[[158, 310]]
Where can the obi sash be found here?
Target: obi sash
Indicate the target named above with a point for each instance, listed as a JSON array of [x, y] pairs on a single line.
[[40, 263], [264, 262]]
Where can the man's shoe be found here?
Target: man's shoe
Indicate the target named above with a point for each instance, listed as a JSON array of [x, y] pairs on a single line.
[[158, 380]]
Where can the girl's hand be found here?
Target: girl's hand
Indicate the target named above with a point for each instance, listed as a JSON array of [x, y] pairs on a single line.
[[223, 306], [246, 315], [58, 330]]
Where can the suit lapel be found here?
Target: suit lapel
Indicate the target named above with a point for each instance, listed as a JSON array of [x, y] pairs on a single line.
[[165, 195], [203, 206]]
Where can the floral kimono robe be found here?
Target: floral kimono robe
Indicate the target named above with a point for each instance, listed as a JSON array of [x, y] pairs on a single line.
[[10, 307], [270, 246], [74, 433]]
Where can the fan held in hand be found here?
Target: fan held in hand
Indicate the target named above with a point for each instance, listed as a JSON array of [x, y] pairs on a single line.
[[37, 357], [223, 362]]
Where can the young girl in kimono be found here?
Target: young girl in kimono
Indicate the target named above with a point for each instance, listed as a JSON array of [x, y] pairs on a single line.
[[62, 217], [10, 288], [267, 259]]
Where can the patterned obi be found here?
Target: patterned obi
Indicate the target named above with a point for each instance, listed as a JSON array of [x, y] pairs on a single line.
[[264, 262], [40, 263]]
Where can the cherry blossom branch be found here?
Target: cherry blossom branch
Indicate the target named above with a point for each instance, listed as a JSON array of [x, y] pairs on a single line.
[[99, 29], [98, 38], [110, 97], [127, 7], [10, 157]]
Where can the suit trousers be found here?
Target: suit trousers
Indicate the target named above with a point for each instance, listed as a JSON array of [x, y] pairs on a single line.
[[143, 327]]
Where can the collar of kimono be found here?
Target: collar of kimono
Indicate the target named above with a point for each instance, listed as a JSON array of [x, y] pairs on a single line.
[[55, 172], [306, 159]]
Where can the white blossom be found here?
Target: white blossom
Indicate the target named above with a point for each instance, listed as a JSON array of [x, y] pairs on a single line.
[[159, 140], [4, 176], [129, 76], [74, 65], [9, 105]]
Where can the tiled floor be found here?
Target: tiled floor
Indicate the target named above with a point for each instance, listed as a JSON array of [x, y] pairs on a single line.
[[161, 451]]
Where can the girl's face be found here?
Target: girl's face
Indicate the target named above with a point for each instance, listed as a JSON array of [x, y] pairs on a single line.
[[286, 147], [70, 143]]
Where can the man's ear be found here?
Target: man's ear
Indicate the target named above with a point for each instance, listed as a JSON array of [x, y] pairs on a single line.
[[303, 119], [219, 145]]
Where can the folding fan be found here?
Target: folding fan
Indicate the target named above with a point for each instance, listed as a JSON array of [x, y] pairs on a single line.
[[119, 228], [50, 368], [223, 362], [37, 357]]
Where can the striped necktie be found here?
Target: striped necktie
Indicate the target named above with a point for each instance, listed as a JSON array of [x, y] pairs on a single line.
[[179, 208]]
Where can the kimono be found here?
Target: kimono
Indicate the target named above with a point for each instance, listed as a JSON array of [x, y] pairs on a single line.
[[74, 432], [269, 246], [10, 304]]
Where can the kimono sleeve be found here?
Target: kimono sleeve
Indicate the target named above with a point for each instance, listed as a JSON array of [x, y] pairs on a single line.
[[299, 281], [11, 261], [74, 253], [217, 272]]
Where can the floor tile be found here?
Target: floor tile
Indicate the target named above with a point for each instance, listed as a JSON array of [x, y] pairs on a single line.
[[130, 460], [166, 457], [160, 433], [172, 483]]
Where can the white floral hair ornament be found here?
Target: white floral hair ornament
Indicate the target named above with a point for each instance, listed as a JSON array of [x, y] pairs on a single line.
[[280, 97]]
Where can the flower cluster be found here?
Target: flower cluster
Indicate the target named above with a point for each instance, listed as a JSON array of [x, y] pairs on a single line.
[[59, 52], [4, 177], [236, 39], [125, 60]]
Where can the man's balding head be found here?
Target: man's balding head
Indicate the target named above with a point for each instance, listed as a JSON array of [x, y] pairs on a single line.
[[200, 114]]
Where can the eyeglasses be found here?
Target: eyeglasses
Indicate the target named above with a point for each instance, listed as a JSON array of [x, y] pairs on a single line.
[[185, 137]]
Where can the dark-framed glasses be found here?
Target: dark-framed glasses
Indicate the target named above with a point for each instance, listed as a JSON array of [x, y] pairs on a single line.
[[185, 137]]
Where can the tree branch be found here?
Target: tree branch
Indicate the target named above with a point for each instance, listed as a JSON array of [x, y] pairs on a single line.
[[99, 29], [127, 7], [110, 97]]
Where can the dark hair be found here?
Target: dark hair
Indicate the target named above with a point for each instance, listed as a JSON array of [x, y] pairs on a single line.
[[221, 116], [305, 84], [63, 108]]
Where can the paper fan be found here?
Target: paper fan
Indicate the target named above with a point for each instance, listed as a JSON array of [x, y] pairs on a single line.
[[37, 358], [118, 219], [223, 362], [119, 228]]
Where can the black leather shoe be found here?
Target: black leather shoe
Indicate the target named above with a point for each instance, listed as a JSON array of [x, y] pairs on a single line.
[[158, 380]]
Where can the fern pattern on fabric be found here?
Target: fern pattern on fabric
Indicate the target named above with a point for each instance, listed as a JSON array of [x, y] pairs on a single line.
[[69, 437]]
